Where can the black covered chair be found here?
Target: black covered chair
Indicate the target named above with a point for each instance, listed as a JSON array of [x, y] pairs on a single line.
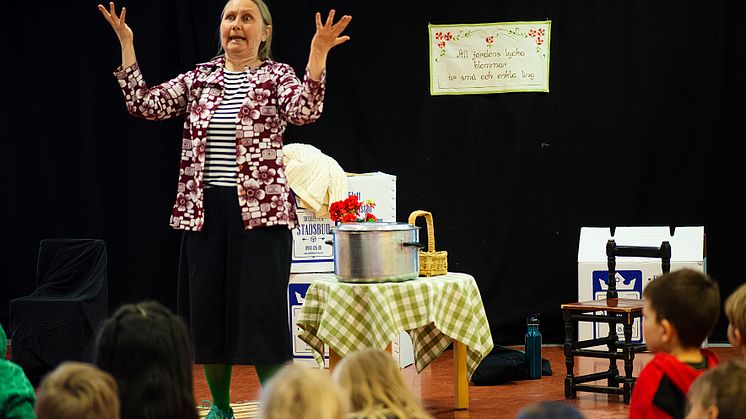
[[622, 311], [59, 320]]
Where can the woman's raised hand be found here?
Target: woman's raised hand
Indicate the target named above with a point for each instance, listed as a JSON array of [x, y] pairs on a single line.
[[124, 33], [327, 36]]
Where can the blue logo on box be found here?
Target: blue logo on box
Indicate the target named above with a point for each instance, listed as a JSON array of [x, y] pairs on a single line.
[[297, 293], [296, 297], [628, 285]]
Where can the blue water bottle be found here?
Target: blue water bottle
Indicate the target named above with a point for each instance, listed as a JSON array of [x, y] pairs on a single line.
[[533, 347]]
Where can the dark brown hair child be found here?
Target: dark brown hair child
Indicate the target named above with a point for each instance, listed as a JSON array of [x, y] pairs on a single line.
[[146, 348], [679, 312]]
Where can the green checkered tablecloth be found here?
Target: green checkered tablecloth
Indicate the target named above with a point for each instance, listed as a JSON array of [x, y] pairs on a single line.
[[434, 311]]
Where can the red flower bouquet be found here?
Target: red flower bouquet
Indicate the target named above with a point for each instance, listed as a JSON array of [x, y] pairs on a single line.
[[348, 211]]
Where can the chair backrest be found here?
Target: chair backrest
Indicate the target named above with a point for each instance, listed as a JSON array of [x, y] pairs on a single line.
[[663, 252], [70, 267]]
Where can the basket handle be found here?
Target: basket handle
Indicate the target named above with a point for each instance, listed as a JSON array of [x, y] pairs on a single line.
[[430, 229]]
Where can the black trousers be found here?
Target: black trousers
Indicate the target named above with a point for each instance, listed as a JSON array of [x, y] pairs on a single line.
[[237, 281]]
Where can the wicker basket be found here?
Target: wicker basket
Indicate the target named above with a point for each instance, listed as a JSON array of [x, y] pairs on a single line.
[[431, 262]]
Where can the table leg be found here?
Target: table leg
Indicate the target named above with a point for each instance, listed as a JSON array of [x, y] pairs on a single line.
[[461, 385], [334, 359]]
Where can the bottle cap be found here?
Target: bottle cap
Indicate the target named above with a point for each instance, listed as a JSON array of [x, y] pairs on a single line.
[[533, 318]]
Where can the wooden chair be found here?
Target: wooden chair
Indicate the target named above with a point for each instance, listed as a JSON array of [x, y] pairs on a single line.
[[615, 310]]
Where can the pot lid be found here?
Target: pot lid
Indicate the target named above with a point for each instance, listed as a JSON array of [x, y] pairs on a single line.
[[376, 226]]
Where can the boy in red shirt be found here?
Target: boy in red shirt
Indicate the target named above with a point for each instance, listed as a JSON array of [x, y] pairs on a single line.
[[680, 310]]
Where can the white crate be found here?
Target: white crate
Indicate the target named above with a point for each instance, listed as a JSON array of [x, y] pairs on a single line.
[[311, 254], [633, 274]]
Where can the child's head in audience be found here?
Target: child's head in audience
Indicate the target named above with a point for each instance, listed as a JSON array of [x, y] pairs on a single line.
[[549, 410], [300, 392], [719, 393], [680, 310], [375, 386], [735, 310], [75, 390], [147, 350]]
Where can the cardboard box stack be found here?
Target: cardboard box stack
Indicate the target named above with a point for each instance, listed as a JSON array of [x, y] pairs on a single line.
[[310, 252], [312, 256]]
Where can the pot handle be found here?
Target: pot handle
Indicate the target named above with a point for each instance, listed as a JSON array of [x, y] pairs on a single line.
[[413, 244]]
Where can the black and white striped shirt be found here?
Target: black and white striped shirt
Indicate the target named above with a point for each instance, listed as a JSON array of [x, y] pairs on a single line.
[[220, 159]]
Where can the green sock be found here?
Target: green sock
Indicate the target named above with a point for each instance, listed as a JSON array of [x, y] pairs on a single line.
[[219, 380], [267, 371]]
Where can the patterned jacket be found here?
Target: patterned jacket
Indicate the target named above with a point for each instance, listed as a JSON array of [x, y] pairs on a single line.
[[275, 97]]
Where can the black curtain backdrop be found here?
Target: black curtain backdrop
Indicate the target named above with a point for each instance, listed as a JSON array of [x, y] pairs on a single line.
[[641, 127]]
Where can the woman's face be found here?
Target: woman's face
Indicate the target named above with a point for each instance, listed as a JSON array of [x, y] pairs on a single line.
[[242, 29]]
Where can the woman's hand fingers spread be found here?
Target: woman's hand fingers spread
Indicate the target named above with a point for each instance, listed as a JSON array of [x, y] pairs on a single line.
[[330, 18], [117, 22], [342, 24], [341, 40], [111, 15], [112, 10], [328, 33], [105, 13]]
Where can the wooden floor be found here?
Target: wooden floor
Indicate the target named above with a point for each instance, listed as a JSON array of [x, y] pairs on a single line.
[[434, 386]]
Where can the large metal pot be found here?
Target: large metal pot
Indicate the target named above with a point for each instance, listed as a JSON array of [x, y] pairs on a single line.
[[376, 252]]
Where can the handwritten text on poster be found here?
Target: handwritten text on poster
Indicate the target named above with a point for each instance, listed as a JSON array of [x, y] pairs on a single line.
[[489, 58]]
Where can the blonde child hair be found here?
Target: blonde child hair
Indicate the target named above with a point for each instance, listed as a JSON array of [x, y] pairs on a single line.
[[375, 387], [719, 392], [302, 393], [75, 390], [735, 311]]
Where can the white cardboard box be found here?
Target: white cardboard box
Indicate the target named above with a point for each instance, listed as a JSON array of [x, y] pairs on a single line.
[[310, 251], [401, 347], [633, 274]]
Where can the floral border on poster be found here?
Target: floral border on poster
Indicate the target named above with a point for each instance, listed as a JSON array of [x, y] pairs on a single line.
[[539, 36]]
